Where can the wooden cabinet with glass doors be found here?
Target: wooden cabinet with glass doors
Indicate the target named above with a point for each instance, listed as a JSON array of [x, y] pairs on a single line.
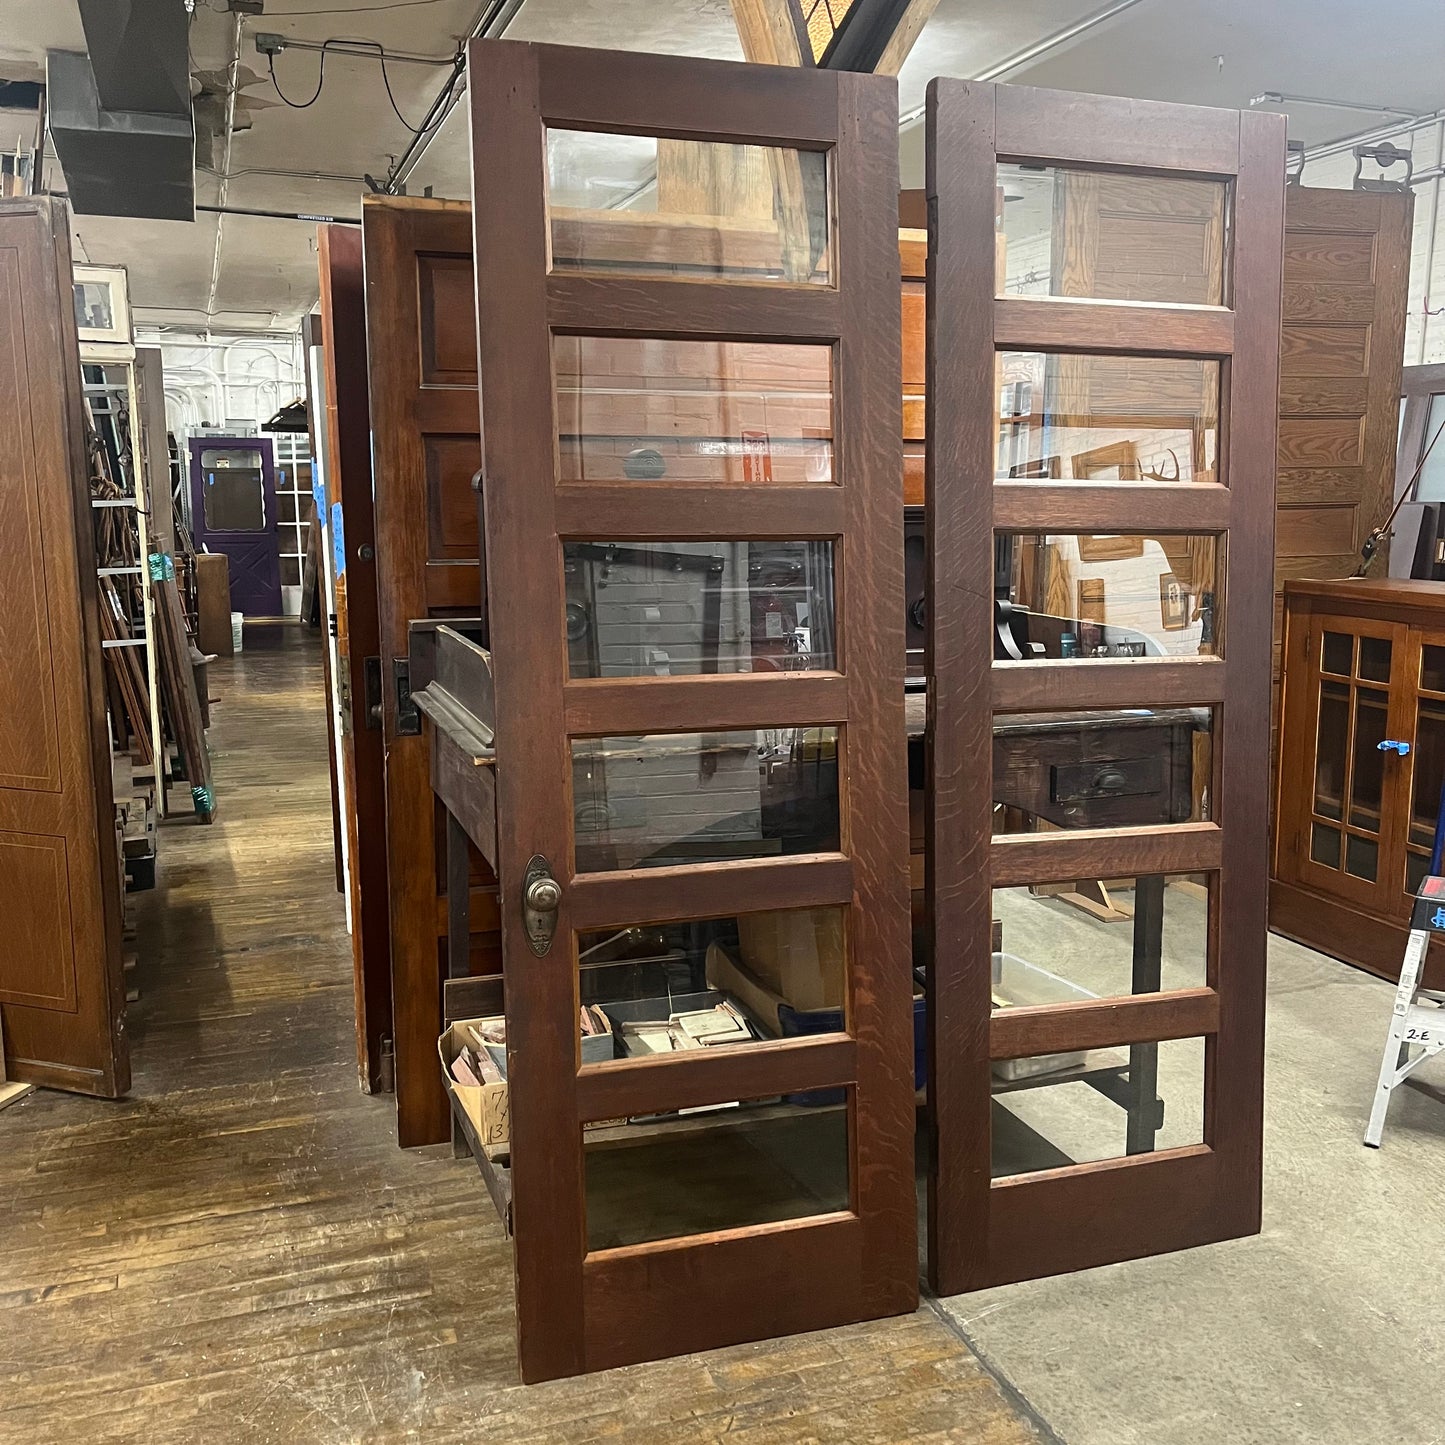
[[1362, 762]]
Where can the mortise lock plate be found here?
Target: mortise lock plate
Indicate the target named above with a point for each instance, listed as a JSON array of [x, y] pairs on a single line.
[[541, 897]]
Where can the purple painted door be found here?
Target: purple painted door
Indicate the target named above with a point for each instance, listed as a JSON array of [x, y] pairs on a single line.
[[233, 510]]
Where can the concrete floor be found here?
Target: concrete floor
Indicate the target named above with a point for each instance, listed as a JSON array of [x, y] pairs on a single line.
[[1324, 1328]]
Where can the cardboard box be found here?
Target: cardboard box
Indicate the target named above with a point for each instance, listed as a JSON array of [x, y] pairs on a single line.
[[797, 954], [486, 1108]]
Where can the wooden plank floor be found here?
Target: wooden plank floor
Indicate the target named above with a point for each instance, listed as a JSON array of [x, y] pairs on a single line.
[[241, 1253]]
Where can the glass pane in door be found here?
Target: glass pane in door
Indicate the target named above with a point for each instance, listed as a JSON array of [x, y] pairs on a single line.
[[701, 983], [1330, 743], [1429, 770], [1375, 659], [1367, 773], [1073, 417], [642, 205], [1116, 236], [235, 499], [670, 609], [649, 409], [1083, 1106], [741, 1163], [673, 798]]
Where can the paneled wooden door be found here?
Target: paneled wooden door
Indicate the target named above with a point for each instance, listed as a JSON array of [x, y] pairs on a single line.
[[1096, 1086], [681, 409], [61, 997], [421, 351]]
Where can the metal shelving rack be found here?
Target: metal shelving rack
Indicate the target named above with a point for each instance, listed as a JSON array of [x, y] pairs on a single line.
[[102, 296]]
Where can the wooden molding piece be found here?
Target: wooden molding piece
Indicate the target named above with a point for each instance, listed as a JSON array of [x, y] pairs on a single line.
[[772, 32], [910, 27]]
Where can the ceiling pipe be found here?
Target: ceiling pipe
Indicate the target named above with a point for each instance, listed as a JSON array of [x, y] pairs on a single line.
[[223, 189], [1035, 51], [491, 20], [1376, 132], [1280, 97]]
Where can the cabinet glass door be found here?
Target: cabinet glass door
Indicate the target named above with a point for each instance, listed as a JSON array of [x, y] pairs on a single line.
[[1427, 760], [1358, 756], [693, 509], [1097, 1073]]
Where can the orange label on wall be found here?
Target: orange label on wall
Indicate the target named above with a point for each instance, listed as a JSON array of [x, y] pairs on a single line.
[[757, 457]]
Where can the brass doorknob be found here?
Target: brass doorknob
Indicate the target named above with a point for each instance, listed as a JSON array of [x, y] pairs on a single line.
[[543, 895]]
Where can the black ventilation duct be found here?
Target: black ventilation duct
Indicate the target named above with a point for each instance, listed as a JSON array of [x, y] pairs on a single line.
[[121, 116]]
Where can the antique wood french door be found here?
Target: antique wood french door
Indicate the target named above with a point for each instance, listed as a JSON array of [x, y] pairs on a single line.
[[1096, 1085], [694, 525], [421, 347]]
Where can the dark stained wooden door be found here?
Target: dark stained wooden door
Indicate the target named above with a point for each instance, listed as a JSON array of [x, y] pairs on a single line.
[[61, 996], [678, 398], [1094, 1096], [421, 349], [348, 483]]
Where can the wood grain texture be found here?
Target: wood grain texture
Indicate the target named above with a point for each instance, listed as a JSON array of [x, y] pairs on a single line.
[[961, 169], [363, 760], [574, 1316], [1019, 1033], [982, 1233], [418, 387], [276, 1268], [61, 991]]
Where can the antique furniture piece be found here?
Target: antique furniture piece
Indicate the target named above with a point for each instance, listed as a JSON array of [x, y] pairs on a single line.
[[233, 510], [61, 994], [1362, 762], [1141, 359], [756, 356]]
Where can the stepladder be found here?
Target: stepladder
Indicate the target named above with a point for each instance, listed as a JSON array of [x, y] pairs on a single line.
[[1417, 1022]]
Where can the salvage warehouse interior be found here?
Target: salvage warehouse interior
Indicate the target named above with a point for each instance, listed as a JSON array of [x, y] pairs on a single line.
[[722, 717]]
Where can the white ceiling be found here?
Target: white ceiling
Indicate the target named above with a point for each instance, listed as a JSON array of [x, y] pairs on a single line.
[[1382, 52]]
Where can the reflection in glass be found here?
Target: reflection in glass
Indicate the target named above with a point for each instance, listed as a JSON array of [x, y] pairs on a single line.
[[1105, 769], [780, 973], [1330, 743], [1432, 668], [1070, 417], [1112, 235], [1325, 845], [667, 609], [1084, 1106], [676, 798], [1061, 945], [742, 1164], [637, 205], [1362, 856], [1109, 595], [1375, 659], [1337, 653], [641, 409], [1367, 776]]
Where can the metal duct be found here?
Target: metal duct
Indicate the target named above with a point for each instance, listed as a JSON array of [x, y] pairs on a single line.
[[118, 162], [138, 55]]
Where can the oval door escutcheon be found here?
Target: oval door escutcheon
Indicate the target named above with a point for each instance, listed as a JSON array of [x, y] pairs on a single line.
[[541, 897]]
